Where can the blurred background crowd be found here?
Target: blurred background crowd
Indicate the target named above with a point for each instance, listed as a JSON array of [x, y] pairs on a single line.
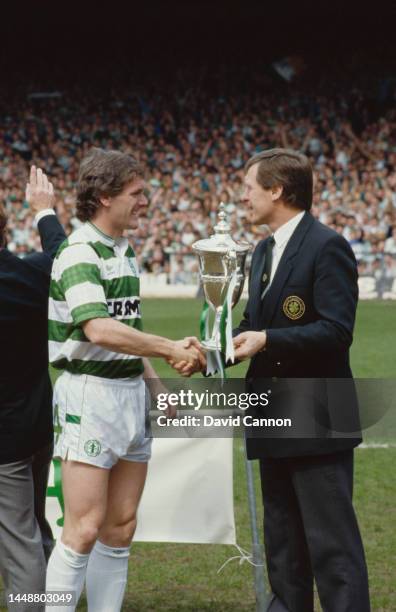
[[194, 133]]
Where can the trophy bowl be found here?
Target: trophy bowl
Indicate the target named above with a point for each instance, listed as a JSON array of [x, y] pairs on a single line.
[[221, 259]]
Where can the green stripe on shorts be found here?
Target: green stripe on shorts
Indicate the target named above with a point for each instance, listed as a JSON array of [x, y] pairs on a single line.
[[73, 418]]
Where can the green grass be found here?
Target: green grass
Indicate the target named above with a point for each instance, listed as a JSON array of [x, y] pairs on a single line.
[[373, 353], [178, 577]]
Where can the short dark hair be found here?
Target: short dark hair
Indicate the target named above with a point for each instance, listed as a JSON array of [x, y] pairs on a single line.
[[103, 174], [288, 169], [3, 225]]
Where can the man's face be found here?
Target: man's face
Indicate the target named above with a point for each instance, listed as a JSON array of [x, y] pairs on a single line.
[[126, 208], [259, 202]]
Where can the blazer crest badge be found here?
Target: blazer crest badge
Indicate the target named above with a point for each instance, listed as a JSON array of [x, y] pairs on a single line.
[[293, 307]]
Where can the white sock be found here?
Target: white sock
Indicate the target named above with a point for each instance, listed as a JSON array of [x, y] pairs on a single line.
[[66, 572], [106, 578]]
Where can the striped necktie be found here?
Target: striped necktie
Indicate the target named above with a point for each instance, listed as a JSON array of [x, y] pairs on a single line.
[[267, 265]]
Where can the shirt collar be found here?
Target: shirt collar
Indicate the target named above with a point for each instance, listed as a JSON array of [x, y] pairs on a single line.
[[97, 234], [285, 231]]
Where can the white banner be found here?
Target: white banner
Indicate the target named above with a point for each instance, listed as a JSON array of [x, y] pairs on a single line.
[[188, 495]]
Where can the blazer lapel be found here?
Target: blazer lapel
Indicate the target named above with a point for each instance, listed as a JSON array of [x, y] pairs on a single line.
[[271, 299]]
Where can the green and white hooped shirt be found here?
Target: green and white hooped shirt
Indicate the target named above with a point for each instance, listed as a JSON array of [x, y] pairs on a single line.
[[93, 276]]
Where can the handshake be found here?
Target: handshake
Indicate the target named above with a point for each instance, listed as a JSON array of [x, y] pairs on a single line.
[[188, 356]]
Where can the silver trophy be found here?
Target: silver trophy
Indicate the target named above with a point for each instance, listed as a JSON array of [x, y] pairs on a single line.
[[221, 259]]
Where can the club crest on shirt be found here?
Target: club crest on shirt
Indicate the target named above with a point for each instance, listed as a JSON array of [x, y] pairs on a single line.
[[293, 307]]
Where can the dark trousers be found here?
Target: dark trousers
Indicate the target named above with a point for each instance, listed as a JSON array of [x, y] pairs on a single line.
[[311, 532]]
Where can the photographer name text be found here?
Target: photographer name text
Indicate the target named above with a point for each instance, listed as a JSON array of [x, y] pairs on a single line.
[[229, 421]]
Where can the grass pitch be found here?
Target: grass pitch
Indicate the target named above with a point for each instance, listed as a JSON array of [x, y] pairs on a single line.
[[178, 577]]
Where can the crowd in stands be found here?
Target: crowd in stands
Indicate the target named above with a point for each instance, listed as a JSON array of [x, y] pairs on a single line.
[[194, 145]]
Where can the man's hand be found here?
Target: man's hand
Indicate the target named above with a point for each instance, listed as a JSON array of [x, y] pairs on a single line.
[[186, 367], [39, 191], [249, 343]]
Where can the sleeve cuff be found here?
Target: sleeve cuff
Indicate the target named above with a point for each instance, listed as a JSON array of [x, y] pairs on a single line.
[[43, 213]]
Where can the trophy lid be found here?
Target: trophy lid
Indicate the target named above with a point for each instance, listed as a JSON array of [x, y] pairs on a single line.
[[221, 241]]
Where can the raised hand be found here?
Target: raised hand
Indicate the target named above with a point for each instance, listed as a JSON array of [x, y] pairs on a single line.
[[39, 191]]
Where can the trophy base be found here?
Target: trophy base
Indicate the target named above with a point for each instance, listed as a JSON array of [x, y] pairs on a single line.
[[211, 345]]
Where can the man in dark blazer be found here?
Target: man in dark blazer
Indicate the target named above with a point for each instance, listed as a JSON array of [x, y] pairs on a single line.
[[297, 329], [26, 399]]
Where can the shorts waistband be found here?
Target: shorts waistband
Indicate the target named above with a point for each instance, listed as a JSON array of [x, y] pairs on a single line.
[[111, 382]]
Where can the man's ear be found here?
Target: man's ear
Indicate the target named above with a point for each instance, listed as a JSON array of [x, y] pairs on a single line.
[[105, 202], [276, 192]]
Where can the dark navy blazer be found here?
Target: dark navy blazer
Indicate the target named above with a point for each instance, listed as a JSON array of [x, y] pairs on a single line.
[[25, 387], [308, 314]]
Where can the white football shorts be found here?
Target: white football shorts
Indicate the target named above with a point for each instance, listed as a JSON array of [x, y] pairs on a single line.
[[100, 420]]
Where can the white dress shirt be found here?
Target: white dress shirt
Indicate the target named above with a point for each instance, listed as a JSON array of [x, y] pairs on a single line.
[[282, 237]]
